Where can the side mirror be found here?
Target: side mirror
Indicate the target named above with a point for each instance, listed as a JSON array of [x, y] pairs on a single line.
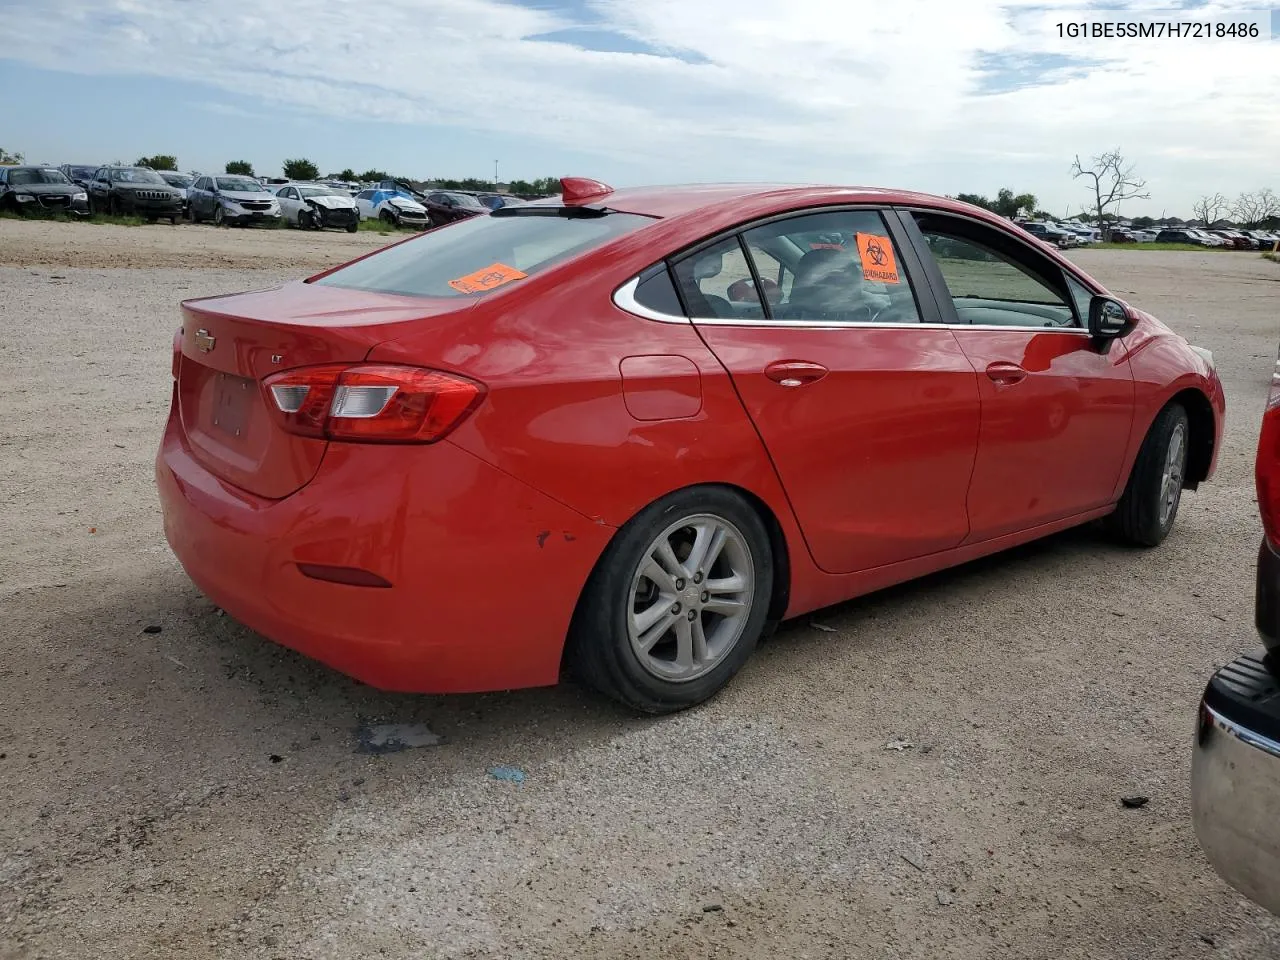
[[1108, 318]]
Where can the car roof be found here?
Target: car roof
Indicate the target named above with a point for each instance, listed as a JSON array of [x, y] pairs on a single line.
[[684, 199]]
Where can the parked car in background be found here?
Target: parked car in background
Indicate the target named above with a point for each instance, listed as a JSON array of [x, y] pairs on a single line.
[[1210, 239], [1051, 233], [80, 173], [118, 190], [179, 181], [1183, 236], [362, 498], [393, 206], [231, 199], [1236, 239], [1145, 236], [317, 205], [446, 206], [1235, 767], [495, 201], [35, 189]]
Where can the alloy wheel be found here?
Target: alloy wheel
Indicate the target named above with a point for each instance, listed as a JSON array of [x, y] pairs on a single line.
[[690, 598], [1175, 463]]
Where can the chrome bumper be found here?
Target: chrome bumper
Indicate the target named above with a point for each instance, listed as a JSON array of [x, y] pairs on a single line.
[[1235, 800]]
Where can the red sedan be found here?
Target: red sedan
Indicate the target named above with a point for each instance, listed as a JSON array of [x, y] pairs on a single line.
[[572, 434]]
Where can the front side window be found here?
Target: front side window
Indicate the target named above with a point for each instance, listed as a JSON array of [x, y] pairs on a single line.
[[994, 280]]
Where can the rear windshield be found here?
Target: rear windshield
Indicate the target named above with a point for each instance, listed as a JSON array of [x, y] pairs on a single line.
[[482, 253]]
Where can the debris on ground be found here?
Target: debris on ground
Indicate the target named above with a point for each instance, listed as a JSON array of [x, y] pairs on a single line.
[[944, 898], [509, 774], [393, 737], [822, 626], [899, 744], [151, 628], [712, 908], [917, 862], [1133, 803]]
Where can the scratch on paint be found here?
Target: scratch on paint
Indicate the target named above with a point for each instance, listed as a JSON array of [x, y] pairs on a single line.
[[542, 537]]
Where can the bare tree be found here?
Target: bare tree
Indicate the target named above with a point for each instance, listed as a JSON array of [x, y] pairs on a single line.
[[1210, 209], [1250, 209], [1112, 179]]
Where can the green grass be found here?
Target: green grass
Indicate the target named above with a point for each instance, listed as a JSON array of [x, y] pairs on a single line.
[[384, 228], [1273, 257], [67, 218], [1153, 246]]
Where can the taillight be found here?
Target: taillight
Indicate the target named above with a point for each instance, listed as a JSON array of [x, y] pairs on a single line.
[[1267, 468], [375, 403], [177, 353]]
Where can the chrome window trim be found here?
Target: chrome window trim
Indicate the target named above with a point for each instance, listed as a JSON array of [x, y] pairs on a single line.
[[624, 298]]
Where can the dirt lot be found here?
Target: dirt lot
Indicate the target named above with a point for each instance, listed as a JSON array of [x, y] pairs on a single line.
[[198, 792]]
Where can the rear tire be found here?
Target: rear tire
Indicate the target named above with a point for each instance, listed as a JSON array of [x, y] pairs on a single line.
[[663, 644], [353, 227], [1149, 506]]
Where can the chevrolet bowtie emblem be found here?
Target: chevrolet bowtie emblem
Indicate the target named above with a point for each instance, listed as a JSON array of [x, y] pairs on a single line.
[[204, 342]]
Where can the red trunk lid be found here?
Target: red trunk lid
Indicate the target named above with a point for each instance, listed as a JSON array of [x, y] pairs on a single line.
[[229, 344]]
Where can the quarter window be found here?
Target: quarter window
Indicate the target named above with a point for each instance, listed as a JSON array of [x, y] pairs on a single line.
[[993, 279], [715, 283]]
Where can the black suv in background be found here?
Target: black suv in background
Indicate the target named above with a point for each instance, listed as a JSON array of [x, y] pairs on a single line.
[[135, 190], [1235, 767]]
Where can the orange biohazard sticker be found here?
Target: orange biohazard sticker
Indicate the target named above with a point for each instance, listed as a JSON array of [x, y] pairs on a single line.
[[489, 278], [878, 263]]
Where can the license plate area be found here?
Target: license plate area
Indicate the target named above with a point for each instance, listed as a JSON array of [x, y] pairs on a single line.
[[232, 396]]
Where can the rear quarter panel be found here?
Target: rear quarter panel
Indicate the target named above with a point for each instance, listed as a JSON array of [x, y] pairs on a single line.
[[550, 353]]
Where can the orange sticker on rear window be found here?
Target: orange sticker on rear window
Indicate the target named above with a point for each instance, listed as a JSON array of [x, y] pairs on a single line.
[[878, 263], [491, 277]]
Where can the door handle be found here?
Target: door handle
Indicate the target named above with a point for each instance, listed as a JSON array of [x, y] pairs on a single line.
[[794, 373], [1005, 373]]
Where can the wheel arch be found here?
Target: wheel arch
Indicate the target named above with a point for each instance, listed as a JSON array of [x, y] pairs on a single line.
[[1200, 446], [778, 546]]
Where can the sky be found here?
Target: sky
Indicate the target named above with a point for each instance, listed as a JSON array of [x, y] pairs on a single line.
[[933, 95]]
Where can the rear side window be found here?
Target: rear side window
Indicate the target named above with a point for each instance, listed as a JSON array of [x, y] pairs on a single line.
[[841, 267], [483, 253]]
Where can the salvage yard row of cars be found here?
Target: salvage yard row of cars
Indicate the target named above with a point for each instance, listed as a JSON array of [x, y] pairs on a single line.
[[232, 199]]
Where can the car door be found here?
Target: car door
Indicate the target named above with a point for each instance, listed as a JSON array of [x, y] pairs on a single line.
[[198, 202], [1057, 406], [98, 187], [870, 415], [290, 202]]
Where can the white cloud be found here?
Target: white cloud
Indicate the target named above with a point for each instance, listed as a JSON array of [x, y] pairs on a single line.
[[813, 90]]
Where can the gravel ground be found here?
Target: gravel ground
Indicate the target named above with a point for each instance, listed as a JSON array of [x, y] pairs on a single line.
[[198, 792]]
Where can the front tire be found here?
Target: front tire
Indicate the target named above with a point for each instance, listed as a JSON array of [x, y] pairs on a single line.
[[677, 603], [1150, 502], [219, 216]]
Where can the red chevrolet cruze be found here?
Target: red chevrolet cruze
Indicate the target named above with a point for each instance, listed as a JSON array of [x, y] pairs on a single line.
[[575, 433]]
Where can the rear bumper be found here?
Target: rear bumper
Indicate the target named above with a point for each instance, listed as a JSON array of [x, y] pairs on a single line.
[[485, 571], [1235, 779]]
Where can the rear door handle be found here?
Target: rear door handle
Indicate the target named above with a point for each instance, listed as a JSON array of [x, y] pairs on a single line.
[[1005, 373], [795, 373]]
